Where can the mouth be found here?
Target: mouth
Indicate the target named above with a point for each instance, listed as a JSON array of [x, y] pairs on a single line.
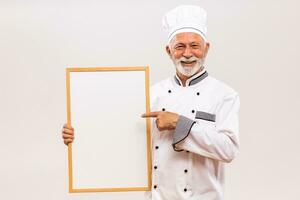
[[188, 63]]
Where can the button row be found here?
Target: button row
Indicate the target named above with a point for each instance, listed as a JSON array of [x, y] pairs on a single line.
[[163, 109], [198, 93], [155, 186]]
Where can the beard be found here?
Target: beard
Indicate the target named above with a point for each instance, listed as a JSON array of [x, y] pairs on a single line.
[[189, 70]]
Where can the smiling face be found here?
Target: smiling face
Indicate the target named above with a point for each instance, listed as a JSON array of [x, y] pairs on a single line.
[[188, 51]]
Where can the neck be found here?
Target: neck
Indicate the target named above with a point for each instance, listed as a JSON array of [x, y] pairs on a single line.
[[183, 78]]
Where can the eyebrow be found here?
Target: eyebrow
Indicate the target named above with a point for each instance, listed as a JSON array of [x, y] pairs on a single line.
[[179, 44]]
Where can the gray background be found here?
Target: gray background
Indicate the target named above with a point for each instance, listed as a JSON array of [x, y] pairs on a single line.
[[253, 48]]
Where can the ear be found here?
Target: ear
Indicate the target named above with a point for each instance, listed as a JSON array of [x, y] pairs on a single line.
[[207, 45], [168, 50]]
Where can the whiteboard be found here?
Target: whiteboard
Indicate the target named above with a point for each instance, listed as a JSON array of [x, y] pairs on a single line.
[[111, 150]]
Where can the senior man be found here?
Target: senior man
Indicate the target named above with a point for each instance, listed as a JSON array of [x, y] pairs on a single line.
[[196, 117]]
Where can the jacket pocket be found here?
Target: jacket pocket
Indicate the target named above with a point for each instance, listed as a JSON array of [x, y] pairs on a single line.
[[205, 116]]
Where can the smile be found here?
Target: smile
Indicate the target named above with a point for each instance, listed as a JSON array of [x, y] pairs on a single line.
[[186, 63]]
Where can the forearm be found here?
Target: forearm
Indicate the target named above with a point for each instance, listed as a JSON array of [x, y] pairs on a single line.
[[213, 136], [206, 140]]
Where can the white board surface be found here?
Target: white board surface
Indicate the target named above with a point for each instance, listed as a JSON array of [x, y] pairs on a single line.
[[110, 146]]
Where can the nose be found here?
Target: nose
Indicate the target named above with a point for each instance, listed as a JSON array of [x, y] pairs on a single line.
[[187, 53]]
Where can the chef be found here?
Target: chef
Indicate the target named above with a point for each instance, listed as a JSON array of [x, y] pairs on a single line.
[[195, 129]]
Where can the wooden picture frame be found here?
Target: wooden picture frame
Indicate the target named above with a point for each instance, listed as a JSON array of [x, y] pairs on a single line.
[[101, 122]]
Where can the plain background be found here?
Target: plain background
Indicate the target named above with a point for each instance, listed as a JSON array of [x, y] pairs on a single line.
[[254, 49]]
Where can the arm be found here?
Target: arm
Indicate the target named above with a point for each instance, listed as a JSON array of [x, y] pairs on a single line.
[[217, 140]]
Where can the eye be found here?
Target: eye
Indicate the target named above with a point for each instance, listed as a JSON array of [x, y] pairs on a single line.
[[179, 47], [195, 46]]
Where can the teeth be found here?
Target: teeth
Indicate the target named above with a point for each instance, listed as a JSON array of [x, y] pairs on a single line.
[[188, 62]]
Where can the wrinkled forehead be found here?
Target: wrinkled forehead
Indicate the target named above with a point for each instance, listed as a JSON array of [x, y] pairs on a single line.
[[187, 38]]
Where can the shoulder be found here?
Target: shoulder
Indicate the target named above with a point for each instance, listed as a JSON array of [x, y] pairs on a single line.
[[220, 88], [159, 89], [161, 86]]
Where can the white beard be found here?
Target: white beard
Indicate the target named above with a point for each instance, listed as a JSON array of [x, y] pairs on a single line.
[[188, 71]]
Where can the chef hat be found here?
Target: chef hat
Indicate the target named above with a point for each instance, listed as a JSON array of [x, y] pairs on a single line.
[[185, 18]]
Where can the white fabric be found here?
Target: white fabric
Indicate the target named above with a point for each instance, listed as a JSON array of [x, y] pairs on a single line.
[[185, 18], [187, 82], [210, 144]]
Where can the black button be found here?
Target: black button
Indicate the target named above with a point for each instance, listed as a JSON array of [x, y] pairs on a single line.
[[163, 109], [155, 167], [155, 186], [185, 171], [169, 91], [156, 147], [198, 93], [193, 111], [185, 190]]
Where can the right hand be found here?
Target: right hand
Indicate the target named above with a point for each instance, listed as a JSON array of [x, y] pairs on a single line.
[[67, 134]]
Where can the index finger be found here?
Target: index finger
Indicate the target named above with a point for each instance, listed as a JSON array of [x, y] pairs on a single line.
[[150, 114]]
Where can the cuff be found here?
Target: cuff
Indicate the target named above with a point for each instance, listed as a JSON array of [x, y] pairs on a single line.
[[182, 130]]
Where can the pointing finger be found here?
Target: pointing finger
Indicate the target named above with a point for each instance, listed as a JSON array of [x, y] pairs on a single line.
[[150, 114]]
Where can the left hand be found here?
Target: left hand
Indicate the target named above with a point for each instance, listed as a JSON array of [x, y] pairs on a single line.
[[164, 120]]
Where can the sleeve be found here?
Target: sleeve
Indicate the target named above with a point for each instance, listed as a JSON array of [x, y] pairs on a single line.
[[213, 136]]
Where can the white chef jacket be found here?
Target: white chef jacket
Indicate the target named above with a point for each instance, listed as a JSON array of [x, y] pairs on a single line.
[[188, 162]]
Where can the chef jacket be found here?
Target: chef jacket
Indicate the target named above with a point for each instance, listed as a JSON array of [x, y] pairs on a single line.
[[188, 162]]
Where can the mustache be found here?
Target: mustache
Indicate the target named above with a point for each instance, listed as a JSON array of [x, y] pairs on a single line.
[[191, 59]]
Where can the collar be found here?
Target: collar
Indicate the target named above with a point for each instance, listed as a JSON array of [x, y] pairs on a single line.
[[193, 79]]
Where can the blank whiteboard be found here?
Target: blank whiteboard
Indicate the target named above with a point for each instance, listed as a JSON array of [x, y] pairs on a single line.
[[111, 150]]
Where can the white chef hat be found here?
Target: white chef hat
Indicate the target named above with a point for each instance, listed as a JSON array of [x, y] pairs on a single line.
[[185, 18]]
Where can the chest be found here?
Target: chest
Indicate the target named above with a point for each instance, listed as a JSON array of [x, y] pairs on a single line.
[[185, 101]]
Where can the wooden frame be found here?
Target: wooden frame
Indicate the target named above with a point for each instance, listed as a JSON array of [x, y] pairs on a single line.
[[147, 121]]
